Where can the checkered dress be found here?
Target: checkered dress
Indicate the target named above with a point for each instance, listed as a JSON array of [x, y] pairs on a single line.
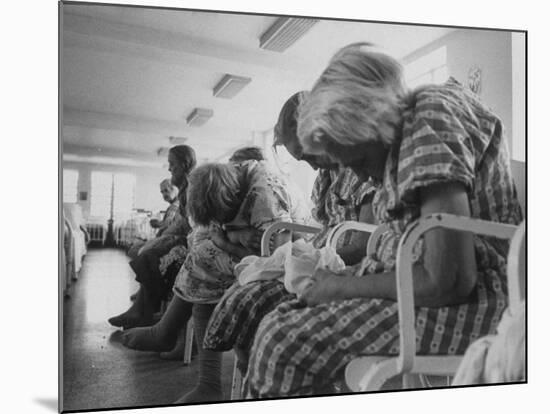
[[337, 196], [448, 136]]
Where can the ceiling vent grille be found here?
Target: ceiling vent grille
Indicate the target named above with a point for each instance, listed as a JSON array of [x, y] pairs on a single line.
[[285, 32], [199, 116], [230, 85]]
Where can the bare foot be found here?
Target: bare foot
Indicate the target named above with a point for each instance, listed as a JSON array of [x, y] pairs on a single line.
[[151, 338], [129, 320]]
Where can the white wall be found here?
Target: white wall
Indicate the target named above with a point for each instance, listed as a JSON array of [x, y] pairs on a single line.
[[147, 183], [491, 51]]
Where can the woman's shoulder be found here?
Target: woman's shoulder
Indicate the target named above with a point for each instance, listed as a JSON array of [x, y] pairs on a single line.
[[448, 101]]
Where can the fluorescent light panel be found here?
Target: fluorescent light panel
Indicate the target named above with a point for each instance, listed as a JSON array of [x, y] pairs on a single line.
[[230, 85], [199, 116], [285, 32], [177, 140]]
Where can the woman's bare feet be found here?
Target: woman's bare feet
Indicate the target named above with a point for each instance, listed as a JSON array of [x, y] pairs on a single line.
[[129, 320], [151, 338]]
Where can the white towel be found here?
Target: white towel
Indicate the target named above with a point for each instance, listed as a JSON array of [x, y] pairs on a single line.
[[293, 263]]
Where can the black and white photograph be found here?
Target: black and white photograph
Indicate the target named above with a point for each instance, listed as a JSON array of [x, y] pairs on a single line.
[[261, 206], [273, 207]]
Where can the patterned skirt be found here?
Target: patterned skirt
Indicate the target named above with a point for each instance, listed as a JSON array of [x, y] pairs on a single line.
[[236, 318], [298, 350], [207, 271]]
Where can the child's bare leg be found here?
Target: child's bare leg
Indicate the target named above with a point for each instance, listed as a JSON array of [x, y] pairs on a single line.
[[178, 351], [163, 335], [209, 387]]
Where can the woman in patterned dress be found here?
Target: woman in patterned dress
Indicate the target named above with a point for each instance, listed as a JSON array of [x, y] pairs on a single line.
[[338, 195], [435, 149], [230, 205]]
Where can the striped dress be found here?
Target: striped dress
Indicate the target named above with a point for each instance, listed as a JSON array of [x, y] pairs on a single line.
[[448, 136], [337, 196]]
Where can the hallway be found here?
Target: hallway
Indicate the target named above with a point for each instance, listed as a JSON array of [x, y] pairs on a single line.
[[98, 372]]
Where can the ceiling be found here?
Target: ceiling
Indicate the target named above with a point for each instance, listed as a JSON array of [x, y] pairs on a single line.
[[131, 76]]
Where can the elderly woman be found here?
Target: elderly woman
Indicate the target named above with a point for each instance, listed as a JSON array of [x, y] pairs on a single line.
[[436, 149], [338, 195], [169, 194], [155, 281], [230, 205]]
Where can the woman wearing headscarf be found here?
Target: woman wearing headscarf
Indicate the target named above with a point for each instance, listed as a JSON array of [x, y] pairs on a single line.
[[435, 149]]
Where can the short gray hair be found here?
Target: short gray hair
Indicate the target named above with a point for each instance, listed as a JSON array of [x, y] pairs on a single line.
[[357, 99]]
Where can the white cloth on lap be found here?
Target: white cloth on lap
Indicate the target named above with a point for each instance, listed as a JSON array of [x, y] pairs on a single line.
[[293, 263]]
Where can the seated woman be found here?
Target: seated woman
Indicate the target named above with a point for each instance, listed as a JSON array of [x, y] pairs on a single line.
[[169, 194], [154, 283], [231, 205], [435, 149], [338, 195]]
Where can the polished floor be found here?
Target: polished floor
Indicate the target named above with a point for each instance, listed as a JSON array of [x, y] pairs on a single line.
[[98, 372]]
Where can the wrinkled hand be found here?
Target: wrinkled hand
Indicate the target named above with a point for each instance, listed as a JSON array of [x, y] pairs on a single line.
[[325, 286]]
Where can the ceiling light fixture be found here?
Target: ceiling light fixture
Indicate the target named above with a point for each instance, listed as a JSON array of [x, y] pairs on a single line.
[[177, 140], [230, 85], [285, 32], [199, 116]]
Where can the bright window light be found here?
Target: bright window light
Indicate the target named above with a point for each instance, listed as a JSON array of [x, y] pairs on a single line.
[[70, 186], [116, 189]]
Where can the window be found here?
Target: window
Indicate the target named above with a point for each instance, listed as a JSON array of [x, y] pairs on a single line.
[[101, 191], [116, 190], [430, 68], [123, 203], [70, 186]]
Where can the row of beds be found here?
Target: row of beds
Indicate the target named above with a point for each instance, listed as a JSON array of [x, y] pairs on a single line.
[[79, 234]]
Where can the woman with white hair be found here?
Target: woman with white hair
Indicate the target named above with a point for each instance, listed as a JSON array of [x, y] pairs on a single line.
[[169, 194], [434, 149]]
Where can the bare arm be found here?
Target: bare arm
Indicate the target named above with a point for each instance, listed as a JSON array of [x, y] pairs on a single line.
[[353, 252], [228, 244], [448, 273]]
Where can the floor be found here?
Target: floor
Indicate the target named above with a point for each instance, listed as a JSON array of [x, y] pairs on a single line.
[[98, 372]]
